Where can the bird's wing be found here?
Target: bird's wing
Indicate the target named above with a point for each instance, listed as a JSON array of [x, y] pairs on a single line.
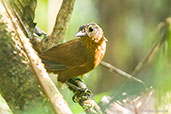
[[54, 66], [65, 55]]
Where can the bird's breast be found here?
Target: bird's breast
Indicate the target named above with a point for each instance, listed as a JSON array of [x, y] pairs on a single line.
[[99, 53], [96, 51]]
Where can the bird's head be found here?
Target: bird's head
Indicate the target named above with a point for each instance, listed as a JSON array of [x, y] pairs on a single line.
[[92, 31]]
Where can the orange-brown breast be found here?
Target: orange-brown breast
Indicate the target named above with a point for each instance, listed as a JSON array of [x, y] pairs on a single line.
[[97, 49], [100, 52]]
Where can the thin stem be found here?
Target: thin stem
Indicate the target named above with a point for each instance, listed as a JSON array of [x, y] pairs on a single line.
[[120, 72]]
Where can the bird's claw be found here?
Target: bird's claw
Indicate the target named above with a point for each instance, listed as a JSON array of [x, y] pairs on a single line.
[[82, 94]]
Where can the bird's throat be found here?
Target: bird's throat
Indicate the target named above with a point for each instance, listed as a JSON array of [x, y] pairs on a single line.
[[89, 43], [94, 46]]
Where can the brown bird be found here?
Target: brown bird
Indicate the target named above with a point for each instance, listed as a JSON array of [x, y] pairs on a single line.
[[78, 56]]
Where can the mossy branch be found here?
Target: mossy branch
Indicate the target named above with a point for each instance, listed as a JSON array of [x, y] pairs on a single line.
[[83, 96]]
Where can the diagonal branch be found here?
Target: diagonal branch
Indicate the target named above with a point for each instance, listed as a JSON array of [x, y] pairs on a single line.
[[144, 61], [120, 72], [83, 96], [4, 108]]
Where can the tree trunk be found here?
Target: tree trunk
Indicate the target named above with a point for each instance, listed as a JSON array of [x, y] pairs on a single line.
[[18, 83]]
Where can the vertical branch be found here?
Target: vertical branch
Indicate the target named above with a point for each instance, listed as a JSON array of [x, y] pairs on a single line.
[[61, 25]]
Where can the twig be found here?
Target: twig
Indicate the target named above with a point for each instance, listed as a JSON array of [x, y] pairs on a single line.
[[61, 25], [120, 72]]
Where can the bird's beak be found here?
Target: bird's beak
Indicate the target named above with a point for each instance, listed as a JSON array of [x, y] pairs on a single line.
[[105, 38], [80, 34]]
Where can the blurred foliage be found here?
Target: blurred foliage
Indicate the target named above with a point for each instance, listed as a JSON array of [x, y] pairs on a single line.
[[41, 17]]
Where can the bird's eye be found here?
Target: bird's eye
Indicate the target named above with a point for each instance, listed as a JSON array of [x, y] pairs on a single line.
[[91, 29]]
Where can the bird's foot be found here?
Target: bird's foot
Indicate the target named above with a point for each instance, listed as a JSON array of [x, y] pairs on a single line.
[[81, 92], [82, 95]]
